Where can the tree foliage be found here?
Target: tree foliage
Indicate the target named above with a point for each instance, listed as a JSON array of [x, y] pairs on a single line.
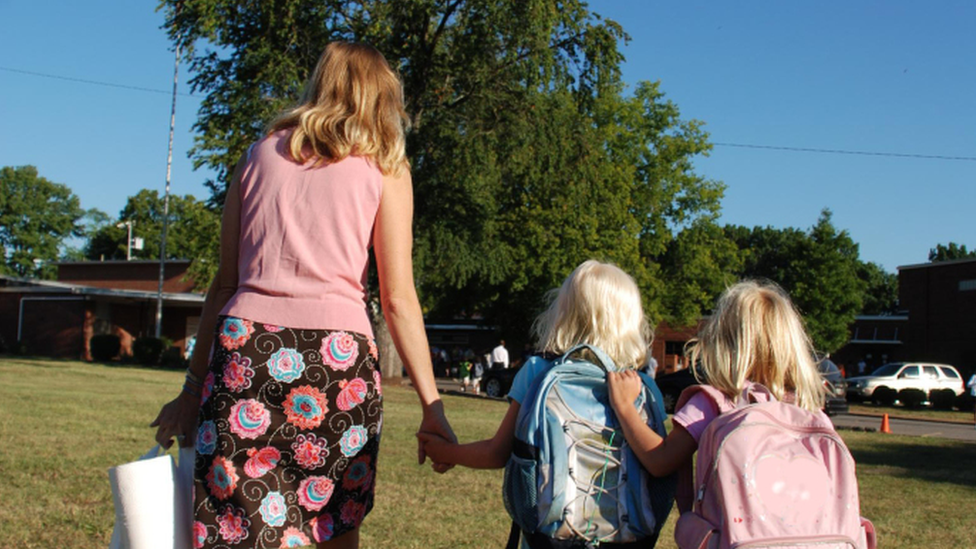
[[881, 289], [528, 155], [36, 217], [193, 232], [948, 252], [818, 267]]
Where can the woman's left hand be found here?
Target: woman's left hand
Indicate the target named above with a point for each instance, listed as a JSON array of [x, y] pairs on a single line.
[[178, 418], [435, 423]]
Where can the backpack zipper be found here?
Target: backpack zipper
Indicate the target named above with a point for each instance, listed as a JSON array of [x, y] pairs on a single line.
[[797, 540]]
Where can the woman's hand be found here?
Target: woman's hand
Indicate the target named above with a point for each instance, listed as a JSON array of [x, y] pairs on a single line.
[[437, 448], [624, 389], [434, 423], [178, 418]]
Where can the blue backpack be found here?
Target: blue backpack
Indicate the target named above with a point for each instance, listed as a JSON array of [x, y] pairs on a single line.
[[572, 480]]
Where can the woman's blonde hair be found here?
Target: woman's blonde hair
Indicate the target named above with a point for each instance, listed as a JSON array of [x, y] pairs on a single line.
[[756, 334], [352, 105], [598, 304]]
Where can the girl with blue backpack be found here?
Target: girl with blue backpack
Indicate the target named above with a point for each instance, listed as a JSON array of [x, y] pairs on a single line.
[[589, 501]]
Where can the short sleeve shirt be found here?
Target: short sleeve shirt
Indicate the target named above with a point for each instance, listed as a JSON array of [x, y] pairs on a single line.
[[696, 415], [526, 375]]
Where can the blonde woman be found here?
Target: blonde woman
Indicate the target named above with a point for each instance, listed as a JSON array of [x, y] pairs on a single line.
[[598, 304], [755, 335], [286, 411]]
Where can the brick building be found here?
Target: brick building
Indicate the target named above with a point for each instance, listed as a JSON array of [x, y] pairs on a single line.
[[59, 318], [936, 321]]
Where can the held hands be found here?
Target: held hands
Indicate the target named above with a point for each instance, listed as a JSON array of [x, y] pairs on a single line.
[[435, 427], [178, 418], [624, 387]]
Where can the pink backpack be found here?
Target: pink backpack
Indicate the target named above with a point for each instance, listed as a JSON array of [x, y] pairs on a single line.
[[771, 474]]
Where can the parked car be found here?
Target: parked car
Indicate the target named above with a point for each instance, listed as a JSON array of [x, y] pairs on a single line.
[[911, 383], [672, 384], [836, 386], [497, 381]]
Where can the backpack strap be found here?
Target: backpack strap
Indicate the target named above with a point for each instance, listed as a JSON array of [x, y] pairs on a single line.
[[721, 401], [602, 359]]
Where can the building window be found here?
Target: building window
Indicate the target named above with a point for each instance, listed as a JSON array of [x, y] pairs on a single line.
[[674, 348], [967, 285]]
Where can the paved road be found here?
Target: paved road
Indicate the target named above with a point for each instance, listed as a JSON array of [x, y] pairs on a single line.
[[910, 427]]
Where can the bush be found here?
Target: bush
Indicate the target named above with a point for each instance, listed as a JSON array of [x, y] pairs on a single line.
[[105, 347], [911, 398], [172, 357], [965, 401], [943, 399], [147, 350]]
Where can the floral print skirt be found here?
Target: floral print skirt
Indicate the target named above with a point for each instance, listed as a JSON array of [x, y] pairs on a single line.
[[288, 436]]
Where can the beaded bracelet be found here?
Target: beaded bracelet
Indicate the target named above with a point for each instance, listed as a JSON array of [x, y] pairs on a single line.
[[193, 378], [191, 390]]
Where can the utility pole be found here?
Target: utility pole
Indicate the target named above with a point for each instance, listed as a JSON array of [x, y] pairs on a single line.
[[169, 165]]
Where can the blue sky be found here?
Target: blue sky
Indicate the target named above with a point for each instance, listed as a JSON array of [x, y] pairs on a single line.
[[875, 76]]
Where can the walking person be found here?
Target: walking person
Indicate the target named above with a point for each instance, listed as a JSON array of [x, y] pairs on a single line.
[[972, 392], [499, 356], [286, 412]]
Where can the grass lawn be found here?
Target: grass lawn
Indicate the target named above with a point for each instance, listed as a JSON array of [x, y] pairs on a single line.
[[62, 424], [954, 416]]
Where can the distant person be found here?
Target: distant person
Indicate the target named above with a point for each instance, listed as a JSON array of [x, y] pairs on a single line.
[[650, 367], [499, 356], [862, 367], [624, 334], [972, 392], [286, 415]]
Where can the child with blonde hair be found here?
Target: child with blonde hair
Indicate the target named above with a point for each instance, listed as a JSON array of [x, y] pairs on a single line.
[[599, 305], [752, 350]]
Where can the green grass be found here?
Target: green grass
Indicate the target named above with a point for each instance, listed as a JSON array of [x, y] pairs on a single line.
[[62, 424]]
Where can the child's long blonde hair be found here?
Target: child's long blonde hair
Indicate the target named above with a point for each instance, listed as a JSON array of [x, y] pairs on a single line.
[[598, 304], [352, 105], [756, 334]]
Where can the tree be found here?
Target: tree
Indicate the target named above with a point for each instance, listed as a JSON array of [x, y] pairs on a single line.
[[881, 289], [36, 216], [949, 252], [528, 157], [193, 233], [819, 268]]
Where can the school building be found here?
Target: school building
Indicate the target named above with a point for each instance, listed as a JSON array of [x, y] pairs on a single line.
[[936, 321], [58, 318]]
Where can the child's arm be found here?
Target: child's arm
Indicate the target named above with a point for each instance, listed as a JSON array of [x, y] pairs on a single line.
[[490, 453], [660, 456]]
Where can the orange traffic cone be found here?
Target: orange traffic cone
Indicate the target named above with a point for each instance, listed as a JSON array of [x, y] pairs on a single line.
[[885, 428]]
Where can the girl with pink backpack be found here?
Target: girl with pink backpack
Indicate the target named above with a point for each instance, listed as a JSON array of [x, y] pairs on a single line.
[[771, 471]]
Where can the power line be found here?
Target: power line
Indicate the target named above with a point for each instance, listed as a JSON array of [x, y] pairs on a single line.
[[94, 82], [736, 145], [840, 151]]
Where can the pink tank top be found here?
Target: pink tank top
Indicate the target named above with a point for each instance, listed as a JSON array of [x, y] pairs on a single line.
[[305, 237]]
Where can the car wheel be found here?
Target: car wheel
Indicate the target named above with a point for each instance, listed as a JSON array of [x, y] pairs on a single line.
[[493, 387], [884, 396], [943, 399]]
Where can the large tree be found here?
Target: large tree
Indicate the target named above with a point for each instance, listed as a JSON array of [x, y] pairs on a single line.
[[818, 267], [193, 232], [881, 289], [36, 217], [528, 155]]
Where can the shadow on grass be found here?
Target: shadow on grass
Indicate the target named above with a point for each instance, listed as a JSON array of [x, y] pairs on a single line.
[[948, 462]]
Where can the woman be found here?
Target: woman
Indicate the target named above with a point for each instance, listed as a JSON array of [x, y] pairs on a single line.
[[286, 413]]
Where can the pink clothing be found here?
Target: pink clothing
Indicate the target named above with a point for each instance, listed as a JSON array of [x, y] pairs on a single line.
[[696, 414], [305, 237]]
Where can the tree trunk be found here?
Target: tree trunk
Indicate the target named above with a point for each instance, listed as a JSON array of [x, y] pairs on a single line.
[[390, 364]]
